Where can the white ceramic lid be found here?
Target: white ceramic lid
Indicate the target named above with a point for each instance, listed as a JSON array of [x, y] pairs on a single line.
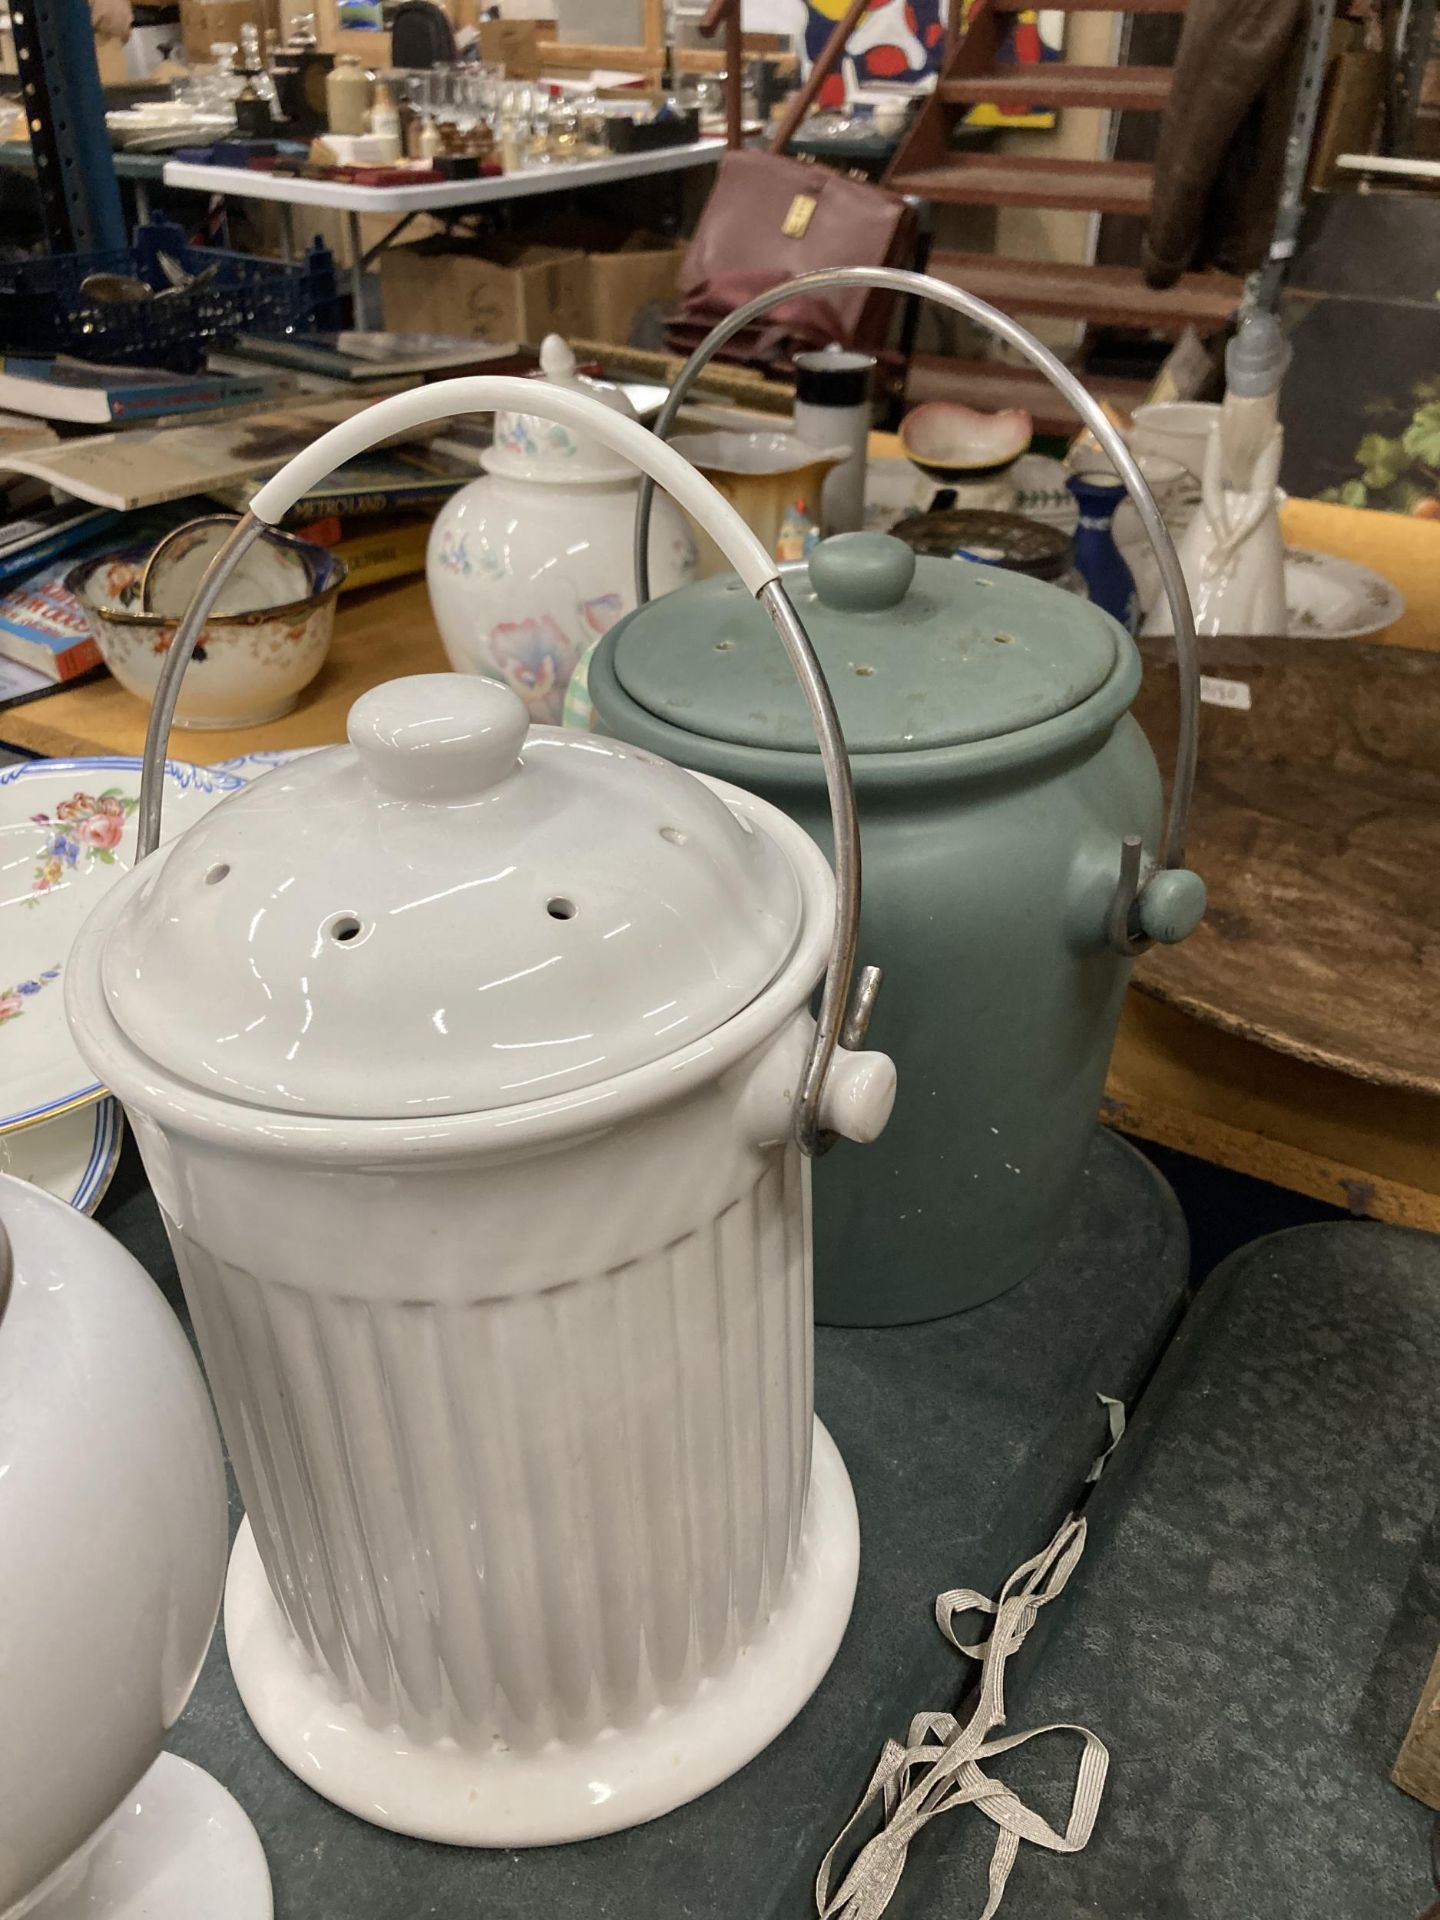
[[530, 447], [450, 915]]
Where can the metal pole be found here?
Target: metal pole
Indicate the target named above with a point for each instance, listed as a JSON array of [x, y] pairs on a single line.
[[357, 272], [75, 169], [1263, 289]]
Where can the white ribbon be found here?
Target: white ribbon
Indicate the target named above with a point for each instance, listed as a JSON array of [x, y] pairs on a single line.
[[938, 1767]]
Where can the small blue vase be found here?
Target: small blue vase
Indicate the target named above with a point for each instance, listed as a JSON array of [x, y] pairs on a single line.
[[1108, 580]]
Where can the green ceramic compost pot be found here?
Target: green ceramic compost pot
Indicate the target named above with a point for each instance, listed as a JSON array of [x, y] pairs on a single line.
[[998, 770]]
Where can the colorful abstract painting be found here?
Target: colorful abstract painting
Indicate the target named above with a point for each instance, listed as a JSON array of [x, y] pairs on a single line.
[[1033, 37], [897, 41]]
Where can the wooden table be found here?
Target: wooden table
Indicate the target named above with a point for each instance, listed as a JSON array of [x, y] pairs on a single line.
[[1173, 1079]]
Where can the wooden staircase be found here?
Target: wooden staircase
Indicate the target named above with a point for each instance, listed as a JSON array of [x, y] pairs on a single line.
[[928, 166]]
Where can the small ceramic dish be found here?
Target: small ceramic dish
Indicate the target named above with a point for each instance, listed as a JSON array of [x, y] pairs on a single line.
[[953, 443], [1006, 540], [254, 660]]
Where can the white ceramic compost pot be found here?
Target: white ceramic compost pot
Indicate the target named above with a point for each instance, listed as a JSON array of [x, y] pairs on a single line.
[[529, 565], [473, 1069], [112, 1553]]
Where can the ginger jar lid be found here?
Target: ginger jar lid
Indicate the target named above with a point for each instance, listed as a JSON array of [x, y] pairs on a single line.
[[919, 652], [527, 447], [454, 913]]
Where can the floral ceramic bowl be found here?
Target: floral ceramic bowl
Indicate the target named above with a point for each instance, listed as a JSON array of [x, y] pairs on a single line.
[[249, 666]]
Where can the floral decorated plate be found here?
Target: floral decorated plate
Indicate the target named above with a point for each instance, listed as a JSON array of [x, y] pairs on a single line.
[[67, 830], [1335, 599], [71, 1156]]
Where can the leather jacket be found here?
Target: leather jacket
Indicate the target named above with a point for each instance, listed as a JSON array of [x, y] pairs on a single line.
[[1222, 139]]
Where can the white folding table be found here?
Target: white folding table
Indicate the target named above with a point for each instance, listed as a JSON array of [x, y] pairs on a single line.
[[342, 196]]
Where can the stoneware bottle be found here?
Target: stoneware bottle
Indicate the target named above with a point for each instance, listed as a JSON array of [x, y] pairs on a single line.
[[998, 772]]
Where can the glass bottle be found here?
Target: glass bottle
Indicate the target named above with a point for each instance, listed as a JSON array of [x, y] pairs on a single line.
[[564, 140], [591, 117]]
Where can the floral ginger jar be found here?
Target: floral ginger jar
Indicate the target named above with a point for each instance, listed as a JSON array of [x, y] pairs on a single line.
[[529, 565]]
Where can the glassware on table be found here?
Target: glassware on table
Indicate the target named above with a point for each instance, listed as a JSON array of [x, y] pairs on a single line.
[[537, 130], [591, 115], [564, 129]]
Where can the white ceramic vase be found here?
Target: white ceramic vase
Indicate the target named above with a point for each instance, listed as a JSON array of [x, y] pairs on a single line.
[[528, 566], [112, 1554], [1233, 552]]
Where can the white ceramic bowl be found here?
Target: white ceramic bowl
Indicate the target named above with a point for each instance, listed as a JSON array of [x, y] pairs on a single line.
[[112, 1537], [249, 667]]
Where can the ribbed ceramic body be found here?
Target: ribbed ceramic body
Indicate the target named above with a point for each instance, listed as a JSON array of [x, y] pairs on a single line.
[[524, 1445], [989, 868], [520, 1402]]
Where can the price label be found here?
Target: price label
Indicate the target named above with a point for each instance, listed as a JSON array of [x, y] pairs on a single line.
[[1225, 693]]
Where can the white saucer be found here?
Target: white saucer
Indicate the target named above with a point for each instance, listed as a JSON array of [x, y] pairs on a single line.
[[72, 1156], [499, 1798], [179, 1848]]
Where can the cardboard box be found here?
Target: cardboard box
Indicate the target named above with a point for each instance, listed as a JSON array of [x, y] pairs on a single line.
[[496, 291], [513, 45], [203, 23], [621, 284]]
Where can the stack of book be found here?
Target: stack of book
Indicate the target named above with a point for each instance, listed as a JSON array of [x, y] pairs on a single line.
[[116, 443]]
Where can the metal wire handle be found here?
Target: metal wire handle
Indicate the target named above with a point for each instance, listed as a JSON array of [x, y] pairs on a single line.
[[1124, 932], [841, 1021]]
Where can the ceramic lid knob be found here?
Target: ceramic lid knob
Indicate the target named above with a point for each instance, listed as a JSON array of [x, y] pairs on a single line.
[[862, 572], [438, 736]]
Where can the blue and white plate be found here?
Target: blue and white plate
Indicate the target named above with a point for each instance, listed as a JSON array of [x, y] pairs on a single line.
[[72, 1156], [67, 832]]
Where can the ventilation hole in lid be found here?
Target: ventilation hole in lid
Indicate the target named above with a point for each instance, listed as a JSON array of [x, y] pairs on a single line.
[[559, 908], [862, 673], [344, 927], [1003, 639], [724, 646], [217, 873], [673, 835]]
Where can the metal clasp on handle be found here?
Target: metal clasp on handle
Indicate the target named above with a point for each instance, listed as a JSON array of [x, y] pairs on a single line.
[[1127, 934], [840, 1021]]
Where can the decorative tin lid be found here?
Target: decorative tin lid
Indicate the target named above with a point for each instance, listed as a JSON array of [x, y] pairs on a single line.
[[450, 915], [919, 653], [529, 447]]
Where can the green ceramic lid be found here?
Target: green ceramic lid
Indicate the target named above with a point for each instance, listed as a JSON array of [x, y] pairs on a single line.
[[919, 652]]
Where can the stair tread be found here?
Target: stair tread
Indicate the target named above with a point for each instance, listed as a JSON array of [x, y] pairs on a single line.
[[1145, 88], [1096, 6], [1108, 296], [1026, 180], [992, 386]]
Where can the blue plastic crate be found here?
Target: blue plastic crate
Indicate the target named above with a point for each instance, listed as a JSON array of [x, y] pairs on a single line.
[[43, 311]]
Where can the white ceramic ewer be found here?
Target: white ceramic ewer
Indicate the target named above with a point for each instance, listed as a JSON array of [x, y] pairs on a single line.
[[112, 1554], [1233, 552], [529, 565], [473, 1069]]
